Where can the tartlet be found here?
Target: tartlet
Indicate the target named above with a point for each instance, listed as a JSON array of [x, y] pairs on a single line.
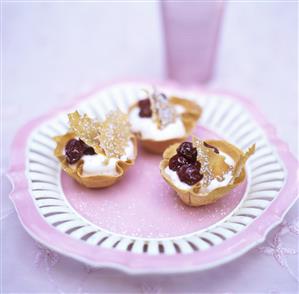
[[96, 154], [159, 121], [202, 172]]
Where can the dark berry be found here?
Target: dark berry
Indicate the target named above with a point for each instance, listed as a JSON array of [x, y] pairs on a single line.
[[177, 161], [210, 146], [74, 150], [88, 150], [145, 112], [144, 103], [189, 174], [145, 108], [187, 150], [197, 165]]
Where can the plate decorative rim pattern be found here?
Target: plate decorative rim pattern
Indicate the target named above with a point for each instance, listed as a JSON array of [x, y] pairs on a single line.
[[131, 262]]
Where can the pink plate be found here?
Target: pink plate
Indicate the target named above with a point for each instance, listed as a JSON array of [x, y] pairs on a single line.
[[139, 225]]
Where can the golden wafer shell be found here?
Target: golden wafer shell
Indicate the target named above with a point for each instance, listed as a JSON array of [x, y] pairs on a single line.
[[75, 172], [194, 197]]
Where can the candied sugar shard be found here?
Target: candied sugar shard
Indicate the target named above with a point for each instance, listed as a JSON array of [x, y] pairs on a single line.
[[115, 134], [86, 128], [164, 112], [213, 165], [109, 137], [242, 161]]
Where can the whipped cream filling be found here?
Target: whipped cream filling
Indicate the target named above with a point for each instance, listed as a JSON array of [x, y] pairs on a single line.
[[149, 129], [97, 164], [179, 109], [212, 186]]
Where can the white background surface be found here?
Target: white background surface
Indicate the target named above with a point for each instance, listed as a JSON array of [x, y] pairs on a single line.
[[53, 52]]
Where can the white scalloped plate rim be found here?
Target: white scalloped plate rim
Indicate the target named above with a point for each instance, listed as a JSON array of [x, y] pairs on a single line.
[[270, 133]]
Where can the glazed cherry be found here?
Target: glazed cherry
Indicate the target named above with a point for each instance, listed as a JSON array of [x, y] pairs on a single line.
[[189, 174], [187, 150], [177, 161], [144, 103], [145, 112], [197, 165], [88, 150], [210, 146], [74, 150], [145, 108]]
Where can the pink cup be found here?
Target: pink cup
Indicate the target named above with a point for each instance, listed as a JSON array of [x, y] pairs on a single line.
[[191, 34]]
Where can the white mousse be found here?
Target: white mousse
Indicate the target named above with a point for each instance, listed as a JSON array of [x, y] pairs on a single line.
[[179, 109], [96, 165], [149, 129], [214, 183]]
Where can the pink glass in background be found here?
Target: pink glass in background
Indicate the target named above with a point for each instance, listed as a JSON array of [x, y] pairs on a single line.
[[191, 31]]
